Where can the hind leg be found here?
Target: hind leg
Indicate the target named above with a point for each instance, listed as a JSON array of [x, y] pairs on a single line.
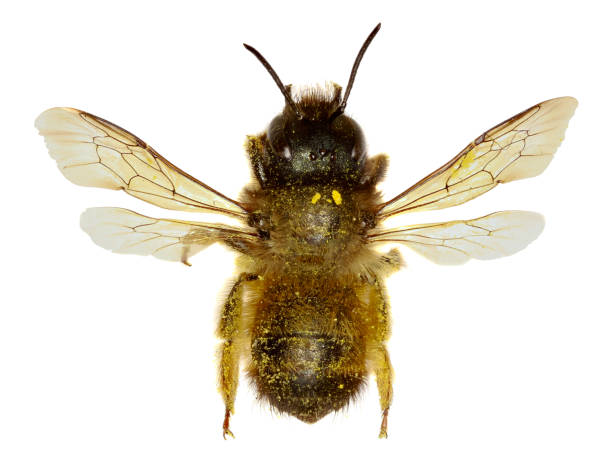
[[228, 330], [378, 357], [384, 379]]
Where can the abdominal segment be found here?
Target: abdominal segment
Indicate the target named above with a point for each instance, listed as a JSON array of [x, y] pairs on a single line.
[[305, 375], [307, 352]]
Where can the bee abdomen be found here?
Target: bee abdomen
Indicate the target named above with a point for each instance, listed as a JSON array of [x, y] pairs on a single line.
[[307, 375]]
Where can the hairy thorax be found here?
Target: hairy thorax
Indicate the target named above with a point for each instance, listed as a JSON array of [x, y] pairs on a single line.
[[311, 228]]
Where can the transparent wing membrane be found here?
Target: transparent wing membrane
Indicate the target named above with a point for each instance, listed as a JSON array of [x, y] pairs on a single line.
[[124, 231], [453, 243], [91, 151], [520, 147]]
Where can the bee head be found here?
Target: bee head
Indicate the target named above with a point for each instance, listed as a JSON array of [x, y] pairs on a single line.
[[314, 145], [312, 140]]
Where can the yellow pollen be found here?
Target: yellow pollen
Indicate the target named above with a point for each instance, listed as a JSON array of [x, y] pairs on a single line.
[[316, 197], [337, 197]]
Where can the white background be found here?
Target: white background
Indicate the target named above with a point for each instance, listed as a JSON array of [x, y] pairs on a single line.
[[108, 361]]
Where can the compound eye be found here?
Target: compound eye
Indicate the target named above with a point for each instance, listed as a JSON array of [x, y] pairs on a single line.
[[285, 152], [280, 147], [357, 152], [359, 147], [278, 141]]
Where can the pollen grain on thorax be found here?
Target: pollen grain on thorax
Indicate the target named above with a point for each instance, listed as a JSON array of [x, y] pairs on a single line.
[[337, 197], [316, 197]]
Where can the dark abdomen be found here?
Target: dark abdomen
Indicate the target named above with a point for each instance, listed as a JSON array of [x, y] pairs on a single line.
[[307, 354], [303, 375]]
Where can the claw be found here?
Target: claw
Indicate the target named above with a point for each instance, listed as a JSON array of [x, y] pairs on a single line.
[[383, 425], [226, 430]]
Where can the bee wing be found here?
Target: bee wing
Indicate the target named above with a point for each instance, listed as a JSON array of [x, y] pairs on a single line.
[[91, 151], [124, 231], [520, 147], [453, 243]]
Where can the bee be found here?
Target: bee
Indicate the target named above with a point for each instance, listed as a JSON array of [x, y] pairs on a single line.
[[308, 312]]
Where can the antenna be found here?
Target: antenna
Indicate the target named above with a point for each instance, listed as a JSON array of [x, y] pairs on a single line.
[[349, 87], [276, 79]]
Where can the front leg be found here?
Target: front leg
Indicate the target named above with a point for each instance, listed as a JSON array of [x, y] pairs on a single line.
[[229, 330]]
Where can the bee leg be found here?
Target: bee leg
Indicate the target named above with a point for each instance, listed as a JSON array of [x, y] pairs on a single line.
[[384, 379], [228, 330], [226, 430], [378, 357]]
